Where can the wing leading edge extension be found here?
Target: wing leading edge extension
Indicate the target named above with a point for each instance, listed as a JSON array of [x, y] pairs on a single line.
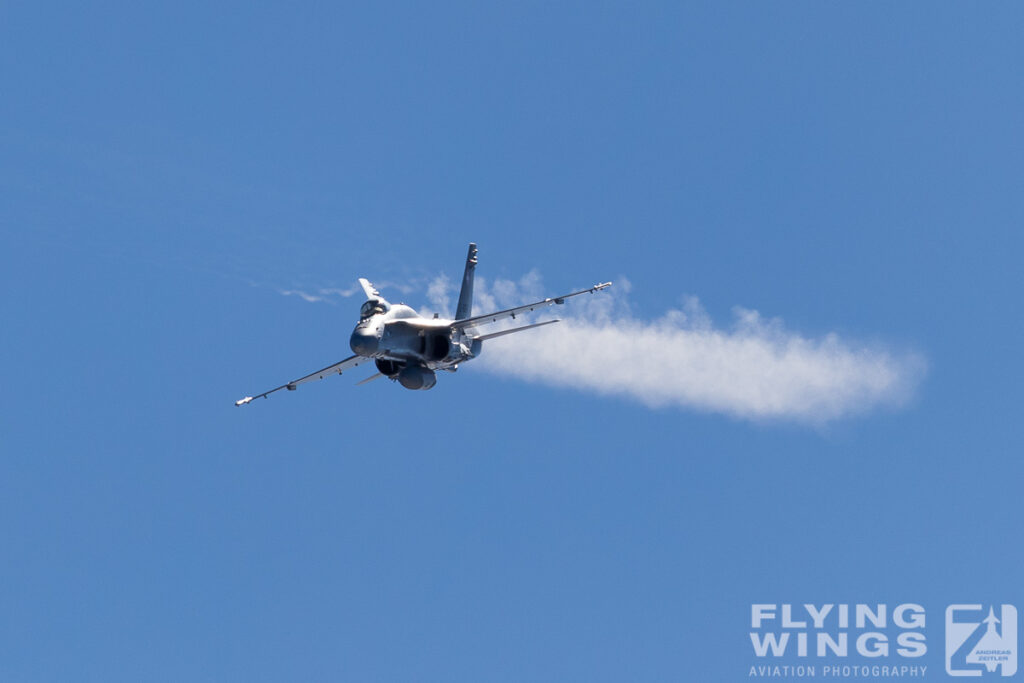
[[336, 369], [513, 312]]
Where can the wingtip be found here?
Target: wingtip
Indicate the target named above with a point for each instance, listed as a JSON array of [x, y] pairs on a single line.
[[243, 401]]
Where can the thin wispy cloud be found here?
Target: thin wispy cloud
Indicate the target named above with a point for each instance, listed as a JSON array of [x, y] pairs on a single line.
[[332, 295], [305, 296], [343, 293]]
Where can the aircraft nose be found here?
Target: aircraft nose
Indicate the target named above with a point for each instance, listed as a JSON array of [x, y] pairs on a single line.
[[364, 342]]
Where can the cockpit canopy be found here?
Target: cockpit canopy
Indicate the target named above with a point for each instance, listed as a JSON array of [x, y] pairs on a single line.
[[373, 307]]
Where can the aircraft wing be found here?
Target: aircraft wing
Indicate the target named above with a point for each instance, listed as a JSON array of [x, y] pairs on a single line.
[[513, 312], [336, 369]]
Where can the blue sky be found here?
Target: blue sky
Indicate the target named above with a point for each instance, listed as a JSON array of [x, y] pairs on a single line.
[[166, 172]]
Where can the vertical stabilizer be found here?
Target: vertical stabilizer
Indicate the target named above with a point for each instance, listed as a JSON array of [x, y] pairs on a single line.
[[465, 307]]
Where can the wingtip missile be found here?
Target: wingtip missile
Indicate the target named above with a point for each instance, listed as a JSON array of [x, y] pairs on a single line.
[[243, 401]]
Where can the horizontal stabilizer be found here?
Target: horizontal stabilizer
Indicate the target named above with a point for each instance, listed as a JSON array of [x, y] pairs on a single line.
[[515, 329]]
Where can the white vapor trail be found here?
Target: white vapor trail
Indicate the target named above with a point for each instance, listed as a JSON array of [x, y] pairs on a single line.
[[754, 369]]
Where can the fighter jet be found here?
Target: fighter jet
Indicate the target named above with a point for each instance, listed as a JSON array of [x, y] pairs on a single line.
[[408, 348]]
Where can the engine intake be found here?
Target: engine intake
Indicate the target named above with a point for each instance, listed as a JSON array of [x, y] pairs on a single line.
[[436, 346], [388, 368]]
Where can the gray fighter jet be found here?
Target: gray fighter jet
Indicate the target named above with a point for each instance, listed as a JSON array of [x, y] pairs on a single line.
[[409, 348]]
